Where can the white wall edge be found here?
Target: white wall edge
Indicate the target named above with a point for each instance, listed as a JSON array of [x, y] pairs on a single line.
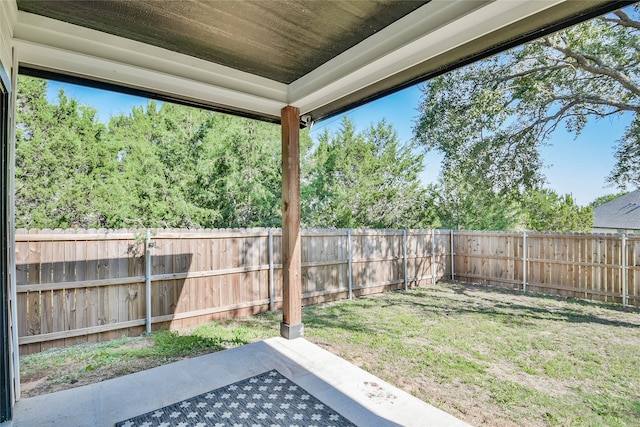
[[6, 34], [11, 160]]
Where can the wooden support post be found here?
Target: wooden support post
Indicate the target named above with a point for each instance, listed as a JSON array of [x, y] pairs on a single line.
[[291, 326]]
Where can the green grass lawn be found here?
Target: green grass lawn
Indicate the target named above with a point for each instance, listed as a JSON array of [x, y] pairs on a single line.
[[492, 357], [487, 356]]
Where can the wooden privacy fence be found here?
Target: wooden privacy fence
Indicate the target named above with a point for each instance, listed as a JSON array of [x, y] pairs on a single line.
[[90, 285], [601, 267]]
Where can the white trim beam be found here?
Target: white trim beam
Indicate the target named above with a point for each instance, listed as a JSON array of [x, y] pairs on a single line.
[[53, 45], [7, 18], [430, 31], [406, 43]]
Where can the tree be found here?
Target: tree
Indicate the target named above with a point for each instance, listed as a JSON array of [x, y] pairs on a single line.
[[626, 172], [489, 119], [239, 171], [606, 199], [548, 211], [463, 203], [61, 160], [155, 147], [158, 166], [187, 167], [365, 179]]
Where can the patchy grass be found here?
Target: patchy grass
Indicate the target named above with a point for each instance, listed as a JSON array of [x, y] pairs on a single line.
[[493, 357], [487, 356], [64, 368]]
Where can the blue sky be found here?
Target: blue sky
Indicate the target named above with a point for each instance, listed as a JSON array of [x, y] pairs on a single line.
[[577, 166]]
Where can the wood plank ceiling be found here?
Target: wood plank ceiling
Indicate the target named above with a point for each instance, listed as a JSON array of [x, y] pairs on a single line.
[[279, 40]]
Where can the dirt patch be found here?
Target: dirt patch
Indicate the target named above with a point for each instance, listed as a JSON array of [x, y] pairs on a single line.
[[28, 385], [75, 373], [138, 344], [552, 387]]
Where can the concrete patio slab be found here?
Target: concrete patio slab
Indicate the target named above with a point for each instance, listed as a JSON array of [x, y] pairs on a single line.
[[359, 396]]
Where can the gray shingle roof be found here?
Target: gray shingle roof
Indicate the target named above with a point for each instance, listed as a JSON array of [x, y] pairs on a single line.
[[620, 213]]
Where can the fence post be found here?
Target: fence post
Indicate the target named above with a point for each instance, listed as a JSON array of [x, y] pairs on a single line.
[[272, 296], [624, 270], [404, 259], [524, 262], [349, 264], [147, 279], [433, 256], [453, 270]]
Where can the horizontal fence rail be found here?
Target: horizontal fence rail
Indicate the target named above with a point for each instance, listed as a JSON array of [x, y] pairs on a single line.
[[90, 285]]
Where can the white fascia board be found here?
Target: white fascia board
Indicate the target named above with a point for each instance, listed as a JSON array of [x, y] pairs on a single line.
[[99, 69], [8, 11], [435, 28], [71, 49], [8, 15]]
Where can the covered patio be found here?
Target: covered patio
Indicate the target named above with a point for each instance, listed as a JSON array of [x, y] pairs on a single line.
[[355, 394], [287, 62]]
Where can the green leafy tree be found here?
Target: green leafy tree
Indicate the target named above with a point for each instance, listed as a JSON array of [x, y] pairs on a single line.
[[490, 118], [468, 205], [174, 166], [193, 168], [606, 199], [61, 159], [158, 166], [155, 155], [626, 172], [548, 211], [463, 203], [365, 179], [239, 172]]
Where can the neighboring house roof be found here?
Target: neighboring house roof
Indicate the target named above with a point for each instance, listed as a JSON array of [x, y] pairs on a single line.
[[620, 213]]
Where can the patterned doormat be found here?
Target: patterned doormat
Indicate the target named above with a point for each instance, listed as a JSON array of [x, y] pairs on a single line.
[[268, 399]]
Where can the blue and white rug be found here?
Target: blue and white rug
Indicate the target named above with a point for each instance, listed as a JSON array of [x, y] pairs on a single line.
[[266, 400]]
